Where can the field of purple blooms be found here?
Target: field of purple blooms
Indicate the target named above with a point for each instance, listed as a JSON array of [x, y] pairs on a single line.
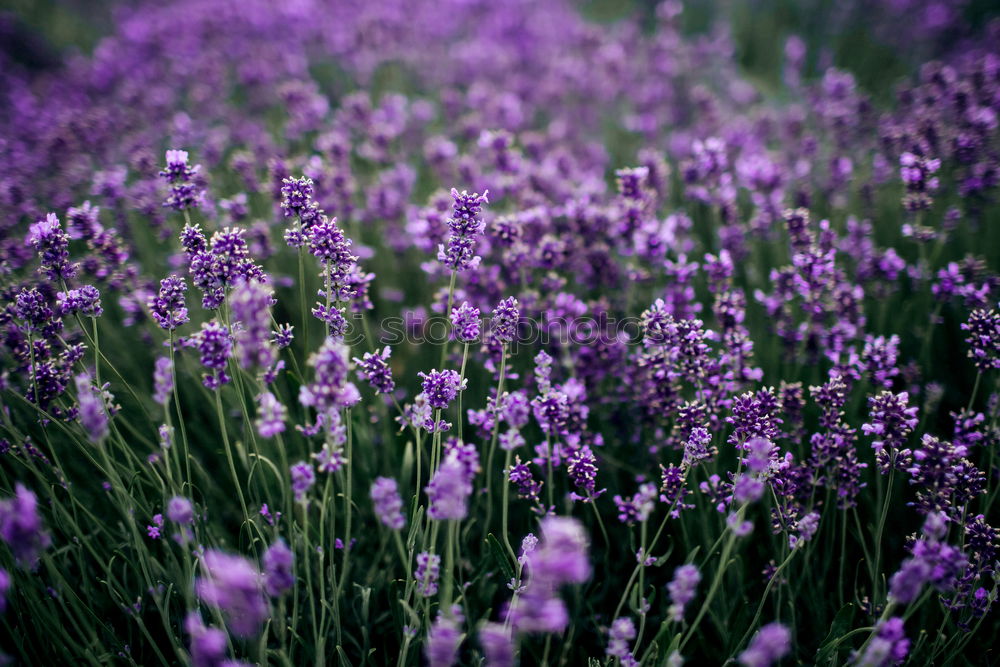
[[452, 332]]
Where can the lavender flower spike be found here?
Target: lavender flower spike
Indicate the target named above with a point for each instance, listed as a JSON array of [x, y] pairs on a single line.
[[771, 643], [388, 504]]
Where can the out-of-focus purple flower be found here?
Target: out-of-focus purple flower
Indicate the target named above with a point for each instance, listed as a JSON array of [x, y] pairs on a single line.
[[771, 643], [497, 644], [270, 415], [279, 578], [427, 574], [82, 222], [21, 526], [85, 300], [465, 323], [917, 173], [52, 244], [466, 224], [330, 390], [163, 380], [4, 588], [303, 477], [441, 387], [681, 589], [180, 510], [449, 490], [888, 647], [208, 645], [251, 306], [92, 415], [374, 368], [639, 506], [560, 558], [388, 504], [442, 641], [879, 359], [167, 307], [620, 636], [185, 193], [232, 584]]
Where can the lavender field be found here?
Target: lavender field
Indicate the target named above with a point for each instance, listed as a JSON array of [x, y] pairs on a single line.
[[452, 332]]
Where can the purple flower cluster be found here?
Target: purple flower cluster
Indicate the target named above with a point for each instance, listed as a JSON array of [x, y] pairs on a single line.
[[231, 584], [185, 191], [388, 504], [465, 225]]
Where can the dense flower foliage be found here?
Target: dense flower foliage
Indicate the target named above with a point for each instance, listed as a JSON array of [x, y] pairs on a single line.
[[459, 332]]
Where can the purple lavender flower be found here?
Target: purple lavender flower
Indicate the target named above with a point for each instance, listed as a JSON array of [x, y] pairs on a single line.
[[441, 387], [888, 647], [582, 470], [21, 526], [33, 310], [466, 224], [505, 318], [270, 415], [983, 338], [52, 244], [180, 510], [443, 640], [465, 323], [233, 585], [185, 193], [167, 307], [279, 577], [561, 557], [330, 390], [282, 337], [497, 644], [892, 422], [297, 198], [673, 489], [163, 380], [620, 636], [427, 574], [944, 479], [82, 222], [251, 306], [681, 589], [931, 562], [374, 368], [388, 504], [4, 589], [86, 301], [771, 643], [214, 345], [208, 645], [917, 173], [449, 490], [806, 528], [92, 415], [303, 477]]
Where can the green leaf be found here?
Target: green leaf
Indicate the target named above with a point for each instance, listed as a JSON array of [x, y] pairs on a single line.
[[841, 624], [500, 556]]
